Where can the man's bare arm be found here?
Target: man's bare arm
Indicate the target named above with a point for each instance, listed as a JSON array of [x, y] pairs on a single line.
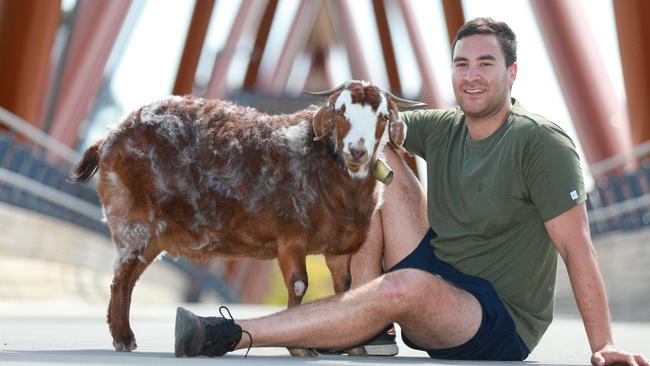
[[570, 233]]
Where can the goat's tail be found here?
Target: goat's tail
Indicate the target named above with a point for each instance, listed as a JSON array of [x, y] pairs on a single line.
[[88, 165]]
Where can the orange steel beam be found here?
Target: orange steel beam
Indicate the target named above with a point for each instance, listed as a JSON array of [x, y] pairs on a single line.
[[341, 14], [297, 37], [387, 45], [257, 283], [238, 273], [193, 45], [27, 32], [634, 44], [454, 17], [217, 85], [589, 94], [319, 77], [58, 62], [430, 94], [260, 45], [96, 28]]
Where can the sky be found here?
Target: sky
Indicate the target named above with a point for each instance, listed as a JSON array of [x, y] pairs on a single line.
[[147, 67]]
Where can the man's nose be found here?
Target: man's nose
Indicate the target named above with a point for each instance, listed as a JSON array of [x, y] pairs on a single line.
[[471, 74]]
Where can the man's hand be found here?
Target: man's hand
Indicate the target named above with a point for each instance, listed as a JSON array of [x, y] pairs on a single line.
[[610, 355]]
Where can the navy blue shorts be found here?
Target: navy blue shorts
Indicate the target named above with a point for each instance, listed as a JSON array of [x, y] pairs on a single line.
[[496, 338]]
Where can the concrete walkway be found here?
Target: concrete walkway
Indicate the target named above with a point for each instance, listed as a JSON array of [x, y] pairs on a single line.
[[69, 333], [54, 292]]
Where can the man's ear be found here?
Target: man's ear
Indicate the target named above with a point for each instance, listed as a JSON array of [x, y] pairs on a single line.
[[396, 129], [323, 123], [512, 74]]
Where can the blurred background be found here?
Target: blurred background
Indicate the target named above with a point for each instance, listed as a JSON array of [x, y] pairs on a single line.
[[70, 69]]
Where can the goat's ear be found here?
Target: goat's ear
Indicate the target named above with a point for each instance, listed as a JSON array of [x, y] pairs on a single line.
[[396, 129], [323, 123]]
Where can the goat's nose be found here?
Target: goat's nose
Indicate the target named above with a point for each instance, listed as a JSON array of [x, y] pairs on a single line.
[[358, 153]]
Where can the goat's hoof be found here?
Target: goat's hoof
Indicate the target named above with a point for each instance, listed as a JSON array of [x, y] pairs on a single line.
[[357, 351], [126, 345], [303, 352]]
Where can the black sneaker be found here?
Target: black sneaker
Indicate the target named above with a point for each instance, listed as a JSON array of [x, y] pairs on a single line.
[[383, 344], [209, 336]]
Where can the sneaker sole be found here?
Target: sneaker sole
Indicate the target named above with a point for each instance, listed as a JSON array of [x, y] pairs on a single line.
[[183, 329], [389, 349], [381, 349]]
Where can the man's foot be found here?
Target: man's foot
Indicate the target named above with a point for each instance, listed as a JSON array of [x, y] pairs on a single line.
[[209, 336], [383, 344]]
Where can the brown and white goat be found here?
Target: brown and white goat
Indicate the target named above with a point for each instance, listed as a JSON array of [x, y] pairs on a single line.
[[202, 178]]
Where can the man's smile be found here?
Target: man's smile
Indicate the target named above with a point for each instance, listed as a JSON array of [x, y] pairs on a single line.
[[474, 91]]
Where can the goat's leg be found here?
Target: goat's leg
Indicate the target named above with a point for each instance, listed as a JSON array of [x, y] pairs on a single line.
[[128, 268], [294, 271], [339, 266], [291, 259]]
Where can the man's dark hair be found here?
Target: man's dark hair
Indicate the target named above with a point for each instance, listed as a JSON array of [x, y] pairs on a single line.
[[501, 30]]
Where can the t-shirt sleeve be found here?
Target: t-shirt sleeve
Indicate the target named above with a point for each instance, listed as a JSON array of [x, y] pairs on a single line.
[[420, 129], [552, 172]]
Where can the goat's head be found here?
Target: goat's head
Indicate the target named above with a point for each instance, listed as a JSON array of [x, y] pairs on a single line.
[[360, 118]]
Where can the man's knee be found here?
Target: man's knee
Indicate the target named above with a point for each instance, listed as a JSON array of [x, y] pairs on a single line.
[[406, 287]]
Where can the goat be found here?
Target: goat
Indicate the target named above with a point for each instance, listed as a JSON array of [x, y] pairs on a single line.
[[202, 178]]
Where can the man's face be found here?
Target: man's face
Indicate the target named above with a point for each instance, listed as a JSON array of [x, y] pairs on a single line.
[[479, 75]]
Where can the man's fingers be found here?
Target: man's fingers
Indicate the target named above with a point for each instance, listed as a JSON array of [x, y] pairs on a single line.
[[617, 358], [642, 361], [610, 355], [611, 358]]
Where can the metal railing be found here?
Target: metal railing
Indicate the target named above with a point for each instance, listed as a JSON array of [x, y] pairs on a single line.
[[33, 174], [620, 199], [34, 170]]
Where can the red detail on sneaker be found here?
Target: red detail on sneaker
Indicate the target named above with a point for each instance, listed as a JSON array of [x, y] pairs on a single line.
[[232, 345]]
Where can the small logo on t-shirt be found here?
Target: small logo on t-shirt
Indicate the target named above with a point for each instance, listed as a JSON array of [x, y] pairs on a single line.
[[574, 195]]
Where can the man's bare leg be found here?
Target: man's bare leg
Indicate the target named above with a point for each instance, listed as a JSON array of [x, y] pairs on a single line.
[[433, 314], [404, 213]]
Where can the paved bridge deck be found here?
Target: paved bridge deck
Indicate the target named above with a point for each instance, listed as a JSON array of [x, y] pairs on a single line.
[[54, 292], [69, 333]]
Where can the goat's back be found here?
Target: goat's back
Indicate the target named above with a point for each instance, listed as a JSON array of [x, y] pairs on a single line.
[[221, 173]]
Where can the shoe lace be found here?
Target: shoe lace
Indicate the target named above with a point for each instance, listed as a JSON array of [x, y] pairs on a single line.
[[250, 337]]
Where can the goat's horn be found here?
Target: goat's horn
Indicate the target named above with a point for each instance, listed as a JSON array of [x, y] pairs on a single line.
[[405, 103], [326, 92]]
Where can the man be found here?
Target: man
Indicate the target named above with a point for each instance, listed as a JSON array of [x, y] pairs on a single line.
[[505, 195]]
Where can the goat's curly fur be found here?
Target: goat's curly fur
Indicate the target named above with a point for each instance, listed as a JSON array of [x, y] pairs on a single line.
[[201, 178]]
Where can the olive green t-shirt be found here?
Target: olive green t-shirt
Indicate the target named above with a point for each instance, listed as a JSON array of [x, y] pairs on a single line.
[[488, 200]]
